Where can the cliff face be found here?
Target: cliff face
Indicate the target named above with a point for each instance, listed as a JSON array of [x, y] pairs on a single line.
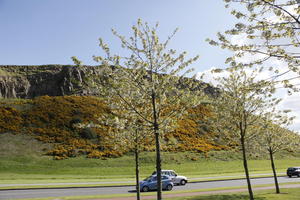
[[51, 80], [61, 80]]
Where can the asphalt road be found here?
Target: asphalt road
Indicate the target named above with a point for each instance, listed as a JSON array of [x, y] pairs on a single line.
[[40, 193]]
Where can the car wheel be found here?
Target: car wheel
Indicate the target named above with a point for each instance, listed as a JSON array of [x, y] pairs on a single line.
[[145, 189], [182, 182], [298, 175], [169, 187], [290, 176]]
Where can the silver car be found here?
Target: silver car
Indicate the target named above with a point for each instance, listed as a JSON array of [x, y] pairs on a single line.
[[176, 179], [150, 183]]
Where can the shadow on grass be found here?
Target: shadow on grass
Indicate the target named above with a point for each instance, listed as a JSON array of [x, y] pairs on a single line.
[[225, 197]]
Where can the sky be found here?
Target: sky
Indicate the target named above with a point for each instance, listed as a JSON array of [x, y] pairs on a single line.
[[51, 31], [37, 32]]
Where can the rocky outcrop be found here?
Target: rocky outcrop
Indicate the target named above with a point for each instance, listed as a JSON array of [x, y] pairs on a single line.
[[60, 80], [12, 87], [51, 80]]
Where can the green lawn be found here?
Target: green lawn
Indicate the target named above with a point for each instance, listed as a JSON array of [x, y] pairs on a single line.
[[286, 194], [20, 169]]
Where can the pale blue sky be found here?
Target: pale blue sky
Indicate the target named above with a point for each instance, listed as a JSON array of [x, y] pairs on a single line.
[[35, 32]]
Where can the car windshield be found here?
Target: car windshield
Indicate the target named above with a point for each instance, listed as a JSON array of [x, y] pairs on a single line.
[[151, 178], [148, 178]]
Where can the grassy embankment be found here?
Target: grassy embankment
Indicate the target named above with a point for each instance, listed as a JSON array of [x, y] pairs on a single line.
[[21, 162]]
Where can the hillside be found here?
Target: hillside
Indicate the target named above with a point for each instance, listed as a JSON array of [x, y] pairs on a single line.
[[62, 105], [60, 121]]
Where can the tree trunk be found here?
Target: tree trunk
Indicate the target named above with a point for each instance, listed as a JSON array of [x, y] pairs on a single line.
[[157, 147], [158, 165], [137, 167], [274, 171], [251, 197]]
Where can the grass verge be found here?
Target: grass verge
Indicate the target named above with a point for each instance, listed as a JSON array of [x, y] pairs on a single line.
[[19, 169], [286, 194]]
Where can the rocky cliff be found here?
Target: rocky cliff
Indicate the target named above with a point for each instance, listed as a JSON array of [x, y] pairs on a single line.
[[51, 80], [59, 80]]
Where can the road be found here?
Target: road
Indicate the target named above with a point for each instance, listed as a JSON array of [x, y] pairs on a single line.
[[40, 193]]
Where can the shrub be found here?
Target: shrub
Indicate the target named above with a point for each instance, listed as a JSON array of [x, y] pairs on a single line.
[[95, 154], [74, 121], [10, 120], [88, 133]]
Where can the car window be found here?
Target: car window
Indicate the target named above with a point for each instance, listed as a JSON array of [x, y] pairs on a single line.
[[154, 178], [173, 174], [148, 178]]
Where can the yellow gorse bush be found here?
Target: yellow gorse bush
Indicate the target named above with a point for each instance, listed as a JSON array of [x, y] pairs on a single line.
[[73, 125]]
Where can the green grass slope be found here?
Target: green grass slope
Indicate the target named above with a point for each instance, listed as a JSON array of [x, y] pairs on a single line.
[[22, 161]]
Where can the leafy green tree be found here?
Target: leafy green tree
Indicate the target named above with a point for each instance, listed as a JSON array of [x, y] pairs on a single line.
[[268, 32], [241, 102], [276, 137], [150, 82], [134, 135], [137, 138]]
